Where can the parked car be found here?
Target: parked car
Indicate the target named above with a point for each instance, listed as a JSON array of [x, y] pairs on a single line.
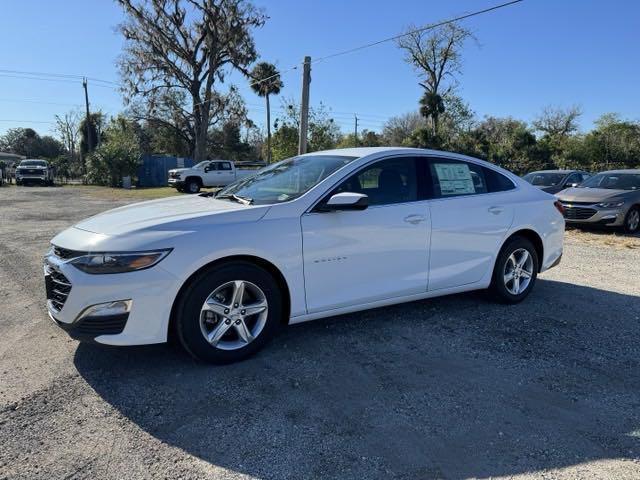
[[34, 171], [209, 173], [553, 181], [609, 198], [313, 236]]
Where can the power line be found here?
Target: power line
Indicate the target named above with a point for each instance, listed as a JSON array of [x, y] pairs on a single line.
[[39, 102], [423, 29], [60, 75], [23, 121]]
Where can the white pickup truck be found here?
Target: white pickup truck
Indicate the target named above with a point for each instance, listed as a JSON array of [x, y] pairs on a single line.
[[34, 170], [208, 173]]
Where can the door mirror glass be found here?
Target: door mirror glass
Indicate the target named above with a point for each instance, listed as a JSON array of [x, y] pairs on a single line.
[[346, 201]]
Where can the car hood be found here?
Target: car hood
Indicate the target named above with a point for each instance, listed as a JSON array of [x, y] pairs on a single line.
[[171, 214], [178, 170], [590, 195]]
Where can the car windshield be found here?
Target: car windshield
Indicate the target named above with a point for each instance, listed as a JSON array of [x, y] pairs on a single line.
[[201, 164], [614, 181], [33, 163], [285, 180], [544, 179]]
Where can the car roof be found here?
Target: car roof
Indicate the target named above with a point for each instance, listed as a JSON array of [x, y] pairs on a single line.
[[361, 152], [635, 171], [556, 171]]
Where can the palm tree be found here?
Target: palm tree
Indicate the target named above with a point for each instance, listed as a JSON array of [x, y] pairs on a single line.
[[266, 81]]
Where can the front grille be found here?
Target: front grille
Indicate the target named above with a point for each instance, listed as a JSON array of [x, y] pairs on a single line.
[[58, 287], [578, 213], [65, 253]]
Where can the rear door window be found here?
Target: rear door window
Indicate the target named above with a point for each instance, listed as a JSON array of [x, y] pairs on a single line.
[[454, 178]]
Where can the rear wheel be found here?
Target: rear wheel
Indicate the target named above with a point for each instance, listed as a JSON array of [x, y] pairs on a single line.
[[229, 312], [515, 271], [632, 220]]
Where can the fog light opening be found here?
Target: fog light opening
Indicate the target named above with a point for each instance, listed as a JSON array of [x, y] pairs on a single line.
[[117, 307]]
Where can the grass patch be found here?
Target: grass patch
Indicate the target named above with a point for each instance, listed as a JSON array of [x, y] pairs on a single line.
[[608, 238], [140, 194]]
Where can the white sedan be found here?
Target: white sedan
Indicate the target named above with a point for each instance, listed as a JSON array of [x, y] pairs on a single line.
[[313, 236]]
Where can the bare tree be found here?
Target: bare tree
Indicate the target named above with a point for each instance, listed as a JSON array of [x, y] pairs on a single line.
[[67, 128], [558, 122], [435, 55], [397, 129], [176, 51]]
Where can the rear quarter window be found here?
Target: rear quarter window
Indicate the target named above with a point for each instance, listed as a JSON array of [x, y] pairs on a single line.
[[496, 182]]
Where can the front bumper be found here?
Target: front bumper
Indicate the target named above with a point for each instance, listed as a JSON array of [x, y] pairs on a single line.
[[175, 182], [590, 214], [151, 292], [31, 178]]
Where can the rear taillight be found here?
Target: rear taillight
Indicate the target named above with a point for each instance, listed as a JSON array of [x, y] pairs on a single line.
[[559, 207]]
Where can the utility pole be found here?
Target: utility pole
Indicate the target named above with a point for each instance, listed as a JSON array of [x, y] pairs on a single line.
[[87, 125], [304, 107], [355, 132]]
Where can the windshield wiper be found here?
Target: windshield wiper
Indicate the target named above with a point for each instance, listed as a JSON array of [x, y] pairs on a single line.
[[236, 198]]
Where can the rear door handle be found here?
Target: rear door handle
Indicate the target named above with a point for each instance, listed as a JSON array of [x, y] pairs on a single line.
[[414, 219], [495, 210]]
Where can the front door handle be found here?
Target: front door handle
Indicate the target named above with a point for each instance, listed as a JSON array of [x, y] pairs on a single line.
[[495, 210], [414, 219]]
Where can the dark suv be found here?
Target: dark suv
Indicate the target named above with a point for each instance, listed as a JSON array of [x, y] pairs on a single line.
[[554, 181]]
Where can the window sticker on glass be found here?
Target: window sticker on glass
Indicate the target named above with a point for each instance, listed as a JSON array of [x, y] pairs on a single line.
[[454, 178]]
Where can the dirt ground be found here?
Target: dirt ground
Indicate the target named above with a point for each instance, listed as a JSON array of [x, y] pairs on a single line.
[[456, 387]]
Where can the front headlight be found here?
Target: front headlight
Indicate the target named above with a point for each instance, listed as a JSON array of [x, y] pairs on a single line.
[[610, 204], [116, 262]]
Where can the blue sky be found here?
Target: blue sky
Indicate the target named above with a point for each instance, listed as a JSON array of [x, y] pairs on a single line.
[[536, 53]]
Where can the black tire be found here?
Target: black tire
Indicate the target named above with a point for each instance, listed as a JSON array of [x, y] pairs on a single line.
[[629, 219], [498, 286], [189, 306], [192, 185]]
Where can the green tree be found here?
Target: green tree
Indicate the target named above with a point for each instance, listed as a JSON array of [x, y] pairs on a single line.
[[614, 143], [324, 134], [285, 142], [557, 128], [27, 142], [367, 138], [266, 81], [117, 156]]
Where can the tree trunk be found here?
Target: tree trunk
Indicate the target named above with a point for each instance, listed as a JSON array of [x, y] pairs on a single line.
[[268, 130], [201, 126]]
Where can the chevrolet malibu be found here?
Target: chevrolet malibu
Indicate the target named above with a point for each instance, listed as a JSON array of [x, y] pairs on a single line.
[[609, 198], [312, 236]]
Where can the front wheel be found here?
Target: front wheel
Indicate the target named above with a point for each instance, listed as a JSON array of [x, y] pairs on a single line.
[[229, 312], [192, 186], [515, 271], [632, 220]]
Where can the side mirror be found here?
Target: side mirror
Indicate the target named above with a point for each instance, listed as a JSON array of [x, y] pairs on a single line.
[[572, 185], [346, 201]]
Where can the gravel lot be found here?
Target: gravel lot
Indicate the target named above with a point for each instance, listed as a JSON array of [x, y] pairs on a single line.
[[455, 387]]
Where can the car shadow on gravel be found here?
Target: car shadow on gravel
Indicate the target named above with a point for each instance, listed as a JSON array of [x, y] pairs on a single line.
[[454, 387]]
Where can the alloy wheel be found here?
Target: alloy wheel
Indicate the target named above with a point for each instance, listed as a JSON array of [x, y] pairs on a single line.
[[233, 315], [518, 271]]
